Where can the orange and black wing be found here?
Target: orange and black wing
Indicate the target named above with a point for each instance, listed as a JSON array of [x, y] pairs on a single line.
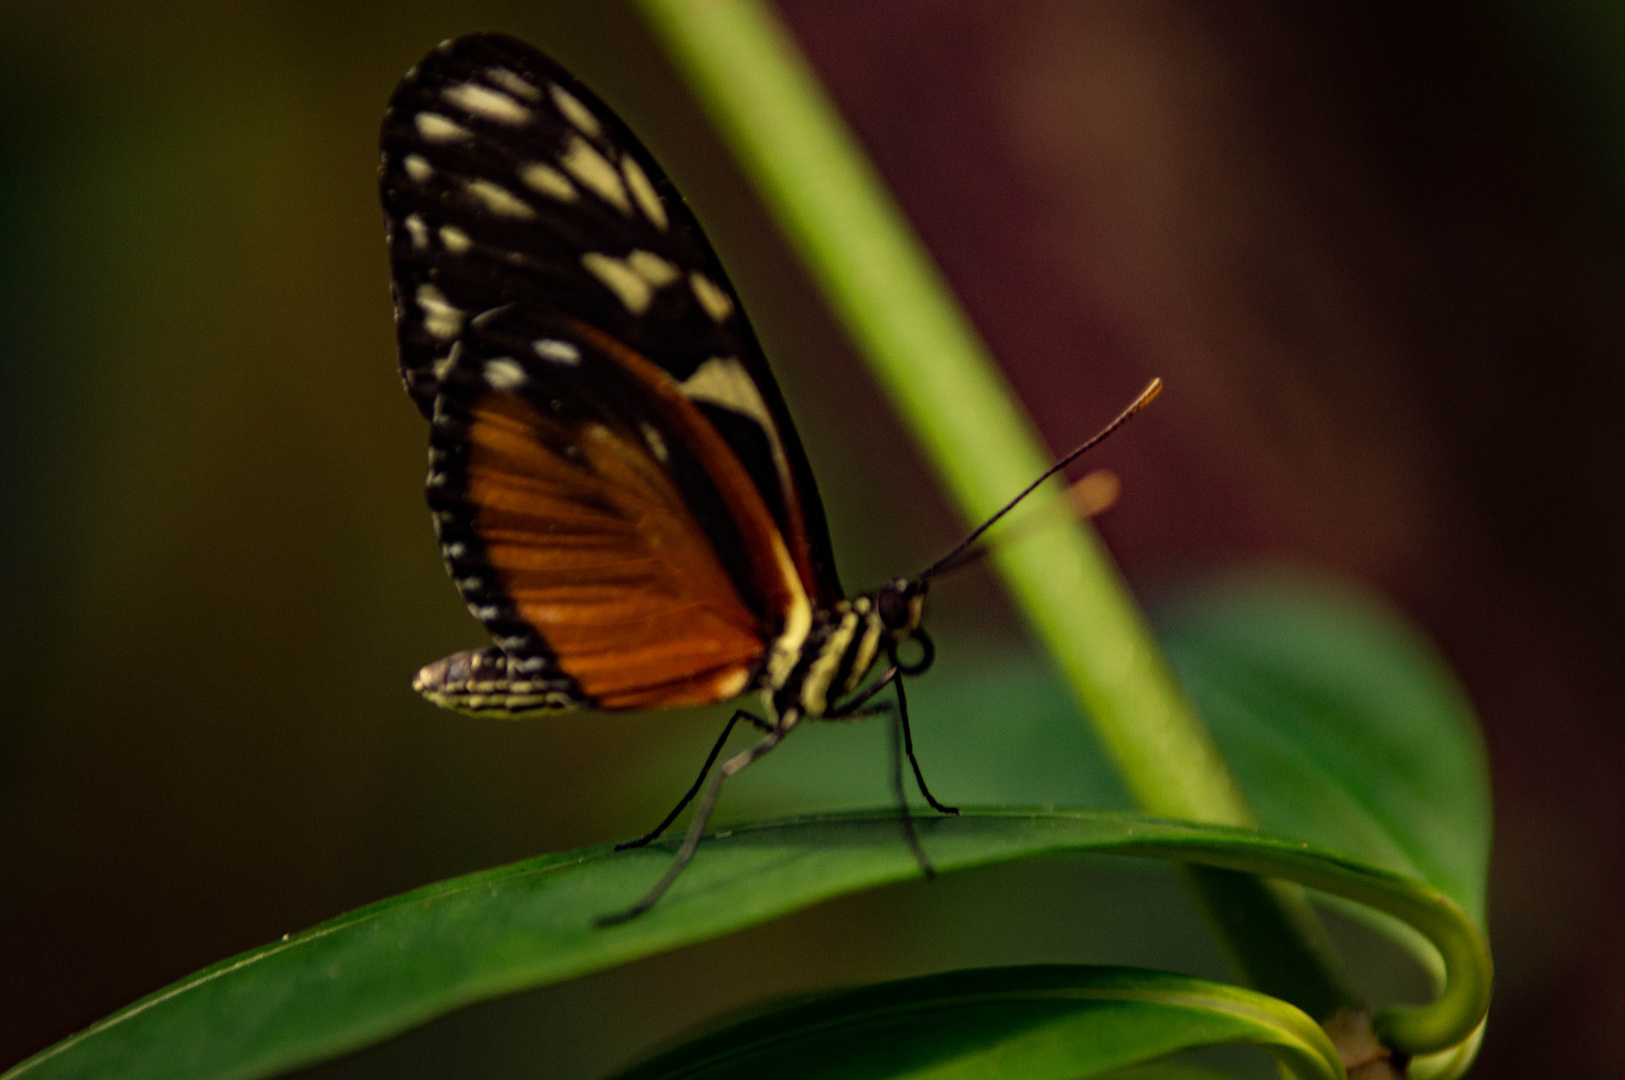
[[505, 181], [598, 525]]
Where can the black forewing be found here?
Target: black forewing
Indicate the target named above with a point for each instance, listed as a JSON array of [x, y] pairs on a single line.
[[504, 180]]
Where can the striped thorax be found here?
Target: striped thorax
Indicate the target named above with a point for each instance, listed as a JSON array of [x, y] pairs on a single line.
[[840, 650]]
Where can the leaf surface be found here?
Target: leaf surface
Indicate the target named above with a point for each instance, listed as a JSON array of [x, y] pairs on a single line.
[[1343, 724], [395, 964], [1023, 1023]]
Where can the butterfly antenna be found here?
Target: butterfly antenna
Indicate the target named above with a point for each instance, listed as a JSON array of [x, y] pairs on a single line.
[[952, 559], [1089, 496]]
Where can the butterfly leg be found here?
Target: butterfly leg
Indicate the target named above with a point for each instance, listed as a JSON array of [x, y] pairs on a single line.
[[702, 813], [868, 712], [902, 741], [908, 744], [854, 708], [905, 818], [654, 833]]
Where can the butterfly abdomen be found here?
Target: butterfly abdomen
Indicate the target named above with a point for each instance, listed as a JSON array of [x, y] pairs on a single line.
[[486, 682]]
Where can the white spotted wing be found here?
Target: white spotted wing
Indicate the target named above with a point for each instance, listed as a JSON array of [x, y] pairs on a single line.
[[545, 267], [514, 197]]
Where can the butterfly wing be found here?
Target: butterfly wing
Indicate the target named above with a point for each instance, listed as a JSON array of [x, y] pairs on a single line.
[[505, 181], [599, 527]]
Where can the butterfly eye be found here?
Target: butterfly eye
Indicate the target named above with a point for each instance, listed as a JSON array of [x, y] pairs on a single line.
[[900, 603]]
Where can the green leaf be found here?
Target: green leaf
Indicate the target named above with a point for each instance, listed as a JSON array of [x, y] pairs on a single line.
[[1170, 1070], [1024, 1023], [395, 964], [1343, 724]]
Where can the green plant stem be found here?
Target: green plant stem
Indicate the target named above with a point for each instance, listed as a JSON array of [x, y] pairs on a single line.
[[814, 176]]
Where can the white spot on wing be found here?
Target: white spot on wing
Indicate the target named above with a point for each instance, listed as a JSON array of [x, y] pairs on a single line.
[[547, 180], [483, 101], [441, 318], [487, 315], [455, 239], [723, 381], [444, 365], [498, 199], [711, 296], [652, 268], [634, 279], [590, 167], [513, 83], [418, 167], [419, 231], [504, 373], [437, 128], [575, 112], [621, 280], [560, 352], [644, 192], [657, 445]]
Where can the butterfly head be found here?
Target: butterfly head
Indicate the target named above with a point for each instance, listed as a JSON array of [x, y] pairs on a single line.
[[901, 604]]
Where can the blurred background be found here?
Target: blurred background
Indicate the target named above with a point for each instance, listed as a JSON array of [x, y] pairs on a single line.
[[1376, 250]]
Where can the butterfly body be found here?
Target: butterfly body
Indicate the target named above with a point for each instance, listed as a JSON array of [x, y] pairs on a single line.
[[830, 665]]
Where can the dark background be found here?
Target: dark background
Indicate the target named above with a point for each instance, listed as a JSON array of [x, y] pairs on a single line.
[[1376, 250]]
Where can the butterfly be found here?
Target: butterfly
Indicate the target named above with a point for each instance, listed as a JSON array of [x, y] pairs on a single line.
[[620, 496]]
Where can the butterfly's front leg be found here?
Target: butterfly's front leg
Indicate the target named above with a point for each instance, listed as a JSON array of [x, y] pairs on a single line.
[[885, 708], [653, 834], [702, 814]]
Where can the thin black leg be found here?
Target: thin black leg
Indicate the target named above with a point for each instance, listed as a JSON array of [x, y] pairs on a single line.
[[702, 814], [905, 818], [908, 744], [698, 780], [885, 708], [851, 708]]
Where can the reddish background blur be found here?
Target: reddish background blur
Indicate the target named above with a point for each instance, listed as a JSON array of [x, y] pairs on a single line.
[[1377, 251]]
